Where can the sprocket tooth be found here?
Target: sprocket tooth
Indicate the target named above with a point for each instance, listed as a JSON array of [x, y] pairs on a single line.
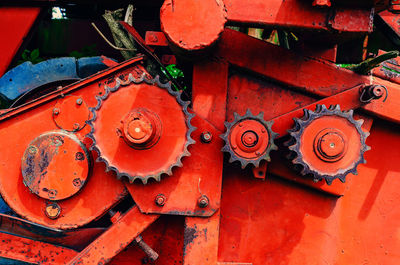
[[274, 147], [236, 116], [329, 180], [350, 113], [244, 164], [225, 148], [248, 113], [342, 178]]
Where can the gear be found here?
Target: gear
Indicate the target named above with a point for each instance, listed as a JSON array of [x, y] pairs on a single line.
[[328, 143], [249, 139], [141, 129]]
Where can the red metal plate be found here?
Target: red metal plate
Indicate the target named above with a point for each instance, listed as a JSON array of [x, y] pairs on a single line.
[[200, 175]]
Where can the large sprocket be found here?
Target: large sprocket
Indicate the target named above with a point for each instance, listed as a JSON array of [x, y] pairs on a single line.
[[141, 128], [328, 143]]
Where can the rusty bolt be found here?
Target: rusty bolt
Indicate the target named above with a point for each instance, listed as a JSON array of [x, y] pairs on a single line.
[[76, 126], [79, 156], [203, 201], [77, 182], [32, 150], [52, 210], [52, 193], [160, 200], [378, 91], [79, 101], [56, 111], [206, 137]]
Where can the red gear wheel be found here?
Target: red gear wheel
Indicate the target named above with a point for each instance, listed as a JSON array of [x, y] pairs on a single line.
[[328, 143], [141, 129], [249, 139]]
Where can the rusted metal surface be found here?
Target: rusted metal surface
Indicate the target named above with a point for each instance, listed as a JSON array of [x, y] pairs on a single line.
[[55, 165], [115, 239], [76, 210], [200, 243], [146, 248], [75, 239], [258, 215], [32, 251]]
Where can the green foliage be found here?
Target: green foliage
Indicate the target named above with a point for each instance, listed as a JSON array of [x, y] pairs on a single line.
[[176, 74], [30, 56], [174, 71], [86, 51]]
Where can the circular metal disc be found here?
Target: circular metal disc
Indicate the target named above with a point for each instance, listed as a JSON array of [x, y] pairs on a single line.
[[55, 165]]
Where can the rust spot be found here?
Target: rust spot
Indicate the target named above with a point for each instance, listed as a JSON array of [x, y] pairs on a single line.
[[189, 236]]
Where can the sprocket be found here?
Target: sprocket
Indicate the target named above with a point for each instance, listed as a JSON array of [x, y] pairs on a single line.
[[249, 139], [141, 128], [328, 143]]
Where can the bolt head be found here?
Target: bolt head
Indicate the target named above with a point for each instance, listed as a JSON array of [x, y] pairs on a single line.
[[206, 137], [79, 101], [56, 111], [203, 201], [32, 150], [52, 210], [160, 200]]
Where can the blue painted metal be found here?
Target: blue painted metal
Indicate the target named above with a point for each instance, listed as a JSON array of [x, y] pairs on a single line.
[[4, 209], [27, 76], [5, 261]]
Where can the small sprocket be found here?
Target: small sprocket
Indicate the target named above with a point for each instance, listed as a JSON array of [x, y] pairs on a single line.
[[328, 143], [249, 139], [141, 128]]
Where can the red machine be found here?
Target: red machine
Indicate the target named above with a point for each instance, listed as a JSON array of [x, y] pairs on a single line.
[[276, 155]]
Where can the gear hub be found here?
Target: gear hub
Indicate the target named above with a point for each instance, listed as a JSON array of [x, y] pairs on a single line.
[[249, 139], [141, 129], [328, 143]]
